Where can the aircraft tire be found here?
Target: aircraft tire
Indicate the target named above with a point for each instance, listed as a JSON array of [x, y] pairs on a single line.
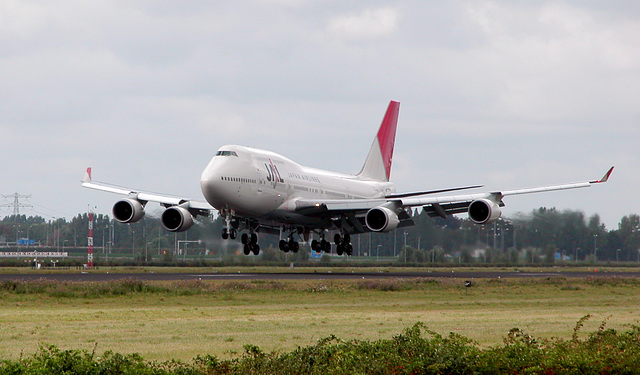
[[293, 246], [247, 250], [349, 249], [315, 246], [233, 234], [337, 239], [283, 246], [225, 234], [325, 246], [244, 238], [256, 249]]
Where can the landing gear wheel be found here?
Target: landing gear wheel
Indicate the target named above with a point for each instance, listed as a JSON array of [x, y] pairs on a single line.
[[251, 248], [225, 233], [283, 246], [325, 246], [244, 238], [339, 249], [337, 239], [233, 234], [293, 246], [254, 238], [315, 246]]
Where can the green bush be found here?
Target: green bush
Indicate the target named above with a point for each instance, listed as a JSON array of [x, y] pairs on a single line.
[[417, 350]]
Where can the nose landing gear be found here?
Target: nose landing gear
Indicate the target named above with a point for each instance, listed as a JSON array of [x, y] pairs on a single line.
[[249, 240]]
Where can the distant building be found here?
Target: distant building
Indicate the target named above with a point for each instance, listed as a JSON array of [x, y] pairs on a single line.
[[25, 242]]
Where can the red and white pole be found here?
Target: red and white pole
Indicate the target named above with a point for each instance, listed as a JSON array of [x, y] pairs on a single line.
[[90, 242]]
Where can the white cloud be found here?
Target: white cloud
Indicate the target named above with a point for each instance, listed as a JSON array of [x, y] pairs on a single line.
[[369, 24]]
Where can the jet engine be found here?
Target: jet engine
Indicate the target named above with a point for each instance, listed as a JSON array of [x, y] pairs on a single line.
[[128, 210], [176, 219], [484, 211], [381, 219]]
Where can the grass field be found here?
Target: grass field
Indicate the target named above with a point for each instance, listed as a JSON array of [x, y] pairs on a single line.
[[180, 320]]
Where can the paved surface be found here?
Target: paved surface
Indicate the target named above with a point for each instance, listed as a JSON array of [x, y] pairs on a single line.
[[324, 275]]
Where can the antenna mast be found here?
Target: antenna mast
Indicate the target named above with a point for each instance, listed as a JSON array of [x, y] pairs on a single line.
[[90, 241], [16, 202]]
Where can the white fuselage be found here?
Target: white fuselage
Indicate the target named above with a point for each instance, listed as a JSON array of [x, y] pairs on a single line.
[[262, 184]]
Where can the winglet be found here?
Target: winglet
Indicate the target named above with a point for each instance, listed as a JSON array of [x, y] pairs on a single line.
[[87, 175], [604, 178]]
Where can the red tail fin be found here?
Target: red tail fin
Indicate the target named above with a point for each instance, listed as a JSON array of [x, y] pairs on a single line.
[[378, 163]]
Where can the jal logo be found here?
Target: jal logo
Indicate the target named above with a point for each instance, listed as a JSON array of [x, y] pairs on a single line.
[[273, 175]]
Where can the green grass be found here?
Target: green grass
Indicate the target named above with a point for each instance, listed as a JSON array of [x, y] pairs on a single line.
[[181, 320]]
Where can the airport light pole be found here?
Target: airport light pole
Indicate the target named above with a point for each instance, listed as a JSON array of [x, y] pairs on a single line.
[[405, 246]]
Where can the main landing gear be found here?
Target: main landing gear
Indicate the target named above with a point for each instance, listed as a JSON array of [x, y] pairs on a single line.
[[343, 244], [322, 245], [250, 242], [289, 245]]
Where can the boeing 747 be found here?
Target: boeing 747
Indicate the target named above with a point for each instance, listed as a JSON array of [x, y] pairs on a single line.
[[258, 191]]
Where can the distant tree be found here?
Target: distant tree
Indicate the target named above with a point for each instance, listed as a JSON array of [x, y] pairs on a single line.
[[629, 233]]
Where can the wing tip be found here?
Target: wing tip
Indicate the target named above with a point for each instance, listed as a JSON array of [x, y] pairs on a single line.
[[87, 175], [606, 176]]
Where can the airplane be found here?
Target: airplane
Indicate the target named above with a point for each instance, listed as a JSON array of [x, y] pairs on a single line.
[[258, 191]]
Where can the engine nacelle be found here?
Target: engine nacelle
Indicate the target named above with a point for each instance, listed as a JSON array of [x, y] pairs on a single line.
[[176, 219], [128, 210], [381, 219], [484, 211]]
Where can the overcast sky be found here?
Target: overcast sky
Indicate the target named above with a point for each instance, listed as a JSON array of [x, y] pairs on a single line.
[[508, 94]]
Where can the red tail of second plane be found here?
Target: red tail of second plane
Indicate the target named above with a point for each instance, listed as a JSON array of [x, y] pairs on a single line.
[[377, 166]]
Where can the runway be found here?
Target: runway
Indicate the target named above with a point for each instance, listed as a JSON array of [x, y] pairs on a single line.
[[94, 276]]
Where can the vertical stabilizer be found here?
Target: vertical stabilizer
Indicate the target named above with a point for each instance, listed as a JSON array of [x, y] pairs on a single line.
[[378, 163]]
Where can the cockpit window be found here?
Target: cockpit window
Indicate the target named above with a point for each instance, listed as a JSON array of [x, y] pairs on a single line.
[[226, 153]]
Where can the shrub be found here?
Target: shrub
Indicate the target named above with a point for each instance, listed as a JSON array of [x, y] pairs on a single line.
[[417, 350]]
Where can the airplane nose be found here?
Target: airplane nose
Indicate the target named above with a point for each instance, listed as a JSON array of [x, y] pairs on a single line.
[[210, 184]]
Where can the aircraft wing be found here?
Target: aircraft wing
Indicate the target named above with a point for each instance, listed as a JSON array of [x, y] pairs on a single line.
[[434, 206], [442, 206], [200, 207]]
